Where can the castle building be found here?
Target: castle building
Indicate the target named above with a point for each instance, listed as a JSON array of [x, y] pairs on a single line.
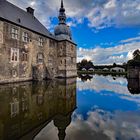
[[28, 51]]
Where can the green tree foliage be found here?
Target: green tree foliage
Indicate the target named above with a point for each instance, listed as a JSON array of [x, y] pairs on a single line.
[[136, 59], [114, 64], [136, 55], [85, 64]]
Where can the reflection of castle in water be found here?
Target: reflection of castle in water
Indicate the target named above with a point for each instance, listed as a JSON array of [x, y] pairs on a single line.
[[28, 107], [133, 86]]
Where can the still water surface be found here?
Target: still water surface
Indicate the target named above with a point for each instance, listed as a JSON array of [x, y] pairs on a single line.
[[86, 108]]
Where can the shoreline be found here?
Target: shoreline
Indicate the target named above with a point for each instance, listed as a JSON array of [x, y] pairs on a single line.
[[102, 72]]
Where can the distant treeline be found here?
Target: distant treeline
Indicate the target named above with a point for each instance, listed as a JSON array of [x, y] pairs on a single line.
[[111, 66], [85, 64], [88, 64], [134, 62]]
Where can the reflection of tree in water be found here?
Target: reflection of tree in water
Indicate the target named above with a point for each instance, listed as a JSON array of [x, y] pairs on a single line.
[[133, 86], [35, 105], [85, 77]]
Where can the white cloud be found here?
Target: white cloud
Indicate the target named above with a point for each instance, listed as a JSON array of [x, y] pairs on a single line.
[[100, 13], [104, 124], [100, 124], [100, 83], [117, 54], [131, 39], [130, 55]]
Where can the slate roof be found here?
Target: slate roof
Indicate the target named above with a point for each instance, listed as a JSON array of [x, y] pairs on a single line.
[[13, 13]]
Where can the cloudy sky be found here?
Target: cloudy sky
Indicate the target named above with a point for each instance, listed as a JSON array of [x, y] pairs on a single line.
[[106, 31]]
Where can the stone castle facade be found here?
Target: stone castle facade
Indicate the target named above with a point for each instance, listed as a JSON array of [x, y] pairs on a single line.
[[28, 51]]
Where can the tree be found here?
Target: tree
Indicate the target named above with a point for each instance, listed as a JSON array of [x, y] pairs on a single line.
[[114, 65], [85, 64], [136, 55], [136, 59]]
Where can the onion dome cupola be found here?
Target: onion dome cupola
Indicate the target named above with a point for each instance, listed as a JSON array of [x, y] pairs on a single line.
[[62, 31]]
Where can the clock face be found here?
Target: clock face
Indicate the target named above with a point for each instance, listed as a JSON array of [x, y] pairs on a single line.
[[1, 37]]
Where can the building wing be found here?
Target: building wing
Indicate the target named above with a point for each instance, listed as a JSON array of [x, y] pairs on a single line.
[[22, 18]]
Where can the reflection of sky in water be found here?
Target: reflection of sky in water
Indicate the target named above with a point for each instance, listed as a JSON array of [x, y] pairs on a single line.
[[106, 110], [107, 94], [105, 105]]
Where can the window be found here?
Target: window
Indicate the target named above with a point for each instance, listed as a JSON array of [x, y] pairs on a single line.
[[14, 108], [40, 99], [72, 47], [52, 43], [14, 54], [24, 56], [50, 61], [74, 60], [40, 58], [40, 41], [14, 73], [64, 43], [14, 33], [25, 37], [61, 62]]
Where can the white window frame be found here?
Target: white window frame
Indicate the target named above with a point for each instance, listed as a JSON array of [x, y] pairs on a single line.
[[40, 43], [24, 56], [25, 37], [14, 33], [14, 55]]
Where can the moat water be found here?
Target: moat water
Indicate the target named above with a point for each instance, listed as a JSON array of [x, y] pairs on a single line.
[[85, 108]]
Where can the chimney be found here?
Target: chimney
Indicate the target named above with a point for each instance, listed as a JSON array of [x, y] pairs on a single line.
[[30, 10]]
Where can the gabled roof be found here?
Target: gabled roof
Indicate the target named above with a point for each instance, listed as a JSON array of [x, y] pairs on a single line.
[[117, 68], [91, 69], [13, 14]]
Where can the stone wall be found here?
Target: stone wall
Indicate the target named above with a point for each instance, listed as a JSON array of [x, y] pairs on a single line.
[[134, 73], [58, 59], [67, 59]]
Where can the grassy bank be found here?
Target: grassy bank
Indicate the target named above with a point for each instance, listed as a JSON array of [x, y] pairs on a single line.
[[102, 72]]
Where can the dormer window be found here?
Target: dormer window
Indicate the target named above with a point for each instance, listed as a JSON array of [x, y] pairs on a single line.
[[18, 20], [14, 33], [40, 41], [25, 37]]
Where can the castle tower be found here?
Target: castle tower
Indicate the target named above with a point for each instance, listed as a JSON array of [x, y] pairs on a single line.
[[66, 47], [62, 31]]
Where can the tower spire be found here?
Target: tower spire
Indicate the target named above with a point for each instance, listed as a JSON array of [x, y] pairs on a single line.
[[62, 5], [62, 16]]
